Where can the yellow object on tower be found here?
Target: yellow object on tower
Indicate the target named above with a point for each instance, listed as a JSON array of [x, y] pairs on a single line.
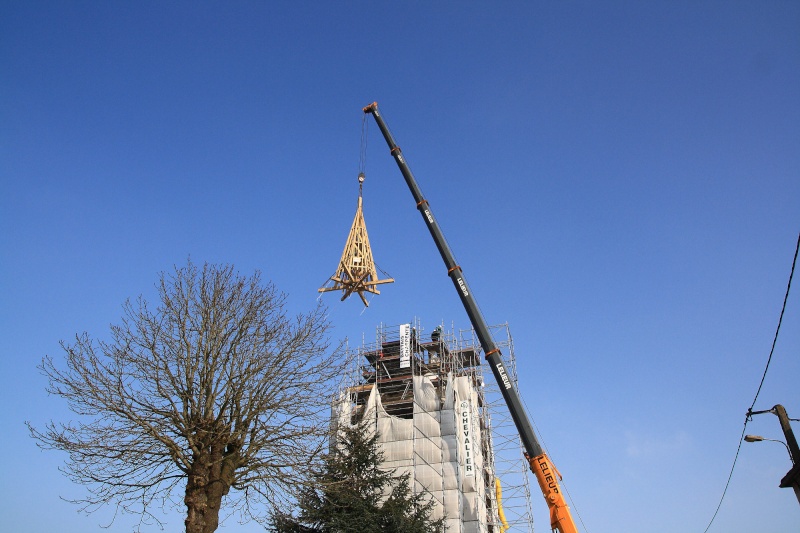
[[356, 272], [498, 492]]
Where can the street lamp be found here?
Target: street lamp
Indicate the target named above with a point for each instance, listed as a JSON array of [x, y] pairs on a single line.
[[792, 478], [759, 438]]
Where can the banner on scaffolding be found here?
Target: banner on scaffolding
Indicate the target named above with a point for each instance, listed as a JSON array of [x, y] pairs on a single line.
[[467, 439], [405, 345]]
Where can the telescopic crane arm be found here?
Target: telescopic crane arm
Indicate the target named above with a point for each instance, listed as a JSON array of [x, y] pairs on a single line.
[[544, 470]]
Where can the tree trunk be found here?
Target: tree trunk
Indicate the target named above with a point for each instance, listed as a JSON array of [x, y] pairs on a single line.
[[209, 480]]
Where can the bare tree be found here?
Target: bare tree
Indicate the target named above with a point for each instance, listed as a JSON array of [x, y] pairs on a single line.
[[216, 388]]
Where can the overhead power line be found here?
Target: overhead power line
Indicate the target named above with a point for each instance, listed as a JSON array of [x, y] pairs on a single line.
[[763, 376], [778, 329]]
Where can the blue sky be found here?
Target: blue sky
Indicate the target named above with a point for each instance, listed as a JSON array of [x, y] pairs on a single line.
[[620, 182]]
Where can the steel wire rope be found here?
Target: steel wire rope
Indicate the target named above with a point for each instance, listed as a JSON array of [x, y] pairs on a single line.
[[480, 310], [362, 162], [424, 197], [452, 253], [362, 172], [763, 376], [563, 483]]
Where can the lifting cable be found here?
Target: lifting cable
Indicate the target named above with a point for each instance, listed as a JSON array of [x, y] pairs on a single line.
[[573, 506], [396, 148], [362, 171], [749, 414], [362, 162]]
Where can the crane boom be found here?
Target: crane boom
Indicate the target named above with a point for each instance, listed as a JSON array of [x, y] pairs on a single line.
[[540, 464]]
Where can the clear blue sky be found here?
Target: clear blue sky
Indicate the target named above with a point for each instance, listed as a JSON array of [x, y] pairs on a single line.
[[619, 180]]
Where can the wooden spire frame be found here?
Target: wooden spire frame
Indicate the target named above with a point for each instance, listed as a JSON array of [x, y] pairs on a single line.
[[356, 272]]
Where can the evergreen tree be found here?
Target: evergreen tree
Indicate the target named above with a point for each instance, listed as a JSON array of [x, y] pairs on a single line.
[[349, 493]]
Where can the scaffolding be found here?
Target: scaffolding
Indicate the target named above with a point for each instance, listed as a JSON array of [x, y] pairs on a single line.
[[439, 422]]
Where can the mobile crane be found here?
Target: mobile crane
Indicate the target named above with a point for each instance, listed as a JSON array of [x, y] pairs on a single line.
[[540, 464]]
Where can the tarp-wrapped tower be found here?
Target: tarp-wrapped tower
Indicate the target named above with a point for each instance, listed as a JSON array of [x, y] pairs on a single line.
[[439, 422]]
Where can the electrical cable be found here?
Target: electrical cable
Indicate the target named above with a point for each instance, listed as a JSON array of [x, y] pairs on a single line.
[[750, 410], [730, 476], [780, 320]]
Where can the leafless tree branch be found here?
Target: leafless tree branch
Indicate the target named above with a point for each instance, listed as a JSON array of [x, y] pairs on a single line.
[[215, 387]]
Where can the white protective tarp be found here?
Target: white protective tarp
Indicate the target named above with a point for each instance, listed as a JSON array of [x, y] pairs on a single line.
[[439, 448], [425, 395], [428, 442]]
